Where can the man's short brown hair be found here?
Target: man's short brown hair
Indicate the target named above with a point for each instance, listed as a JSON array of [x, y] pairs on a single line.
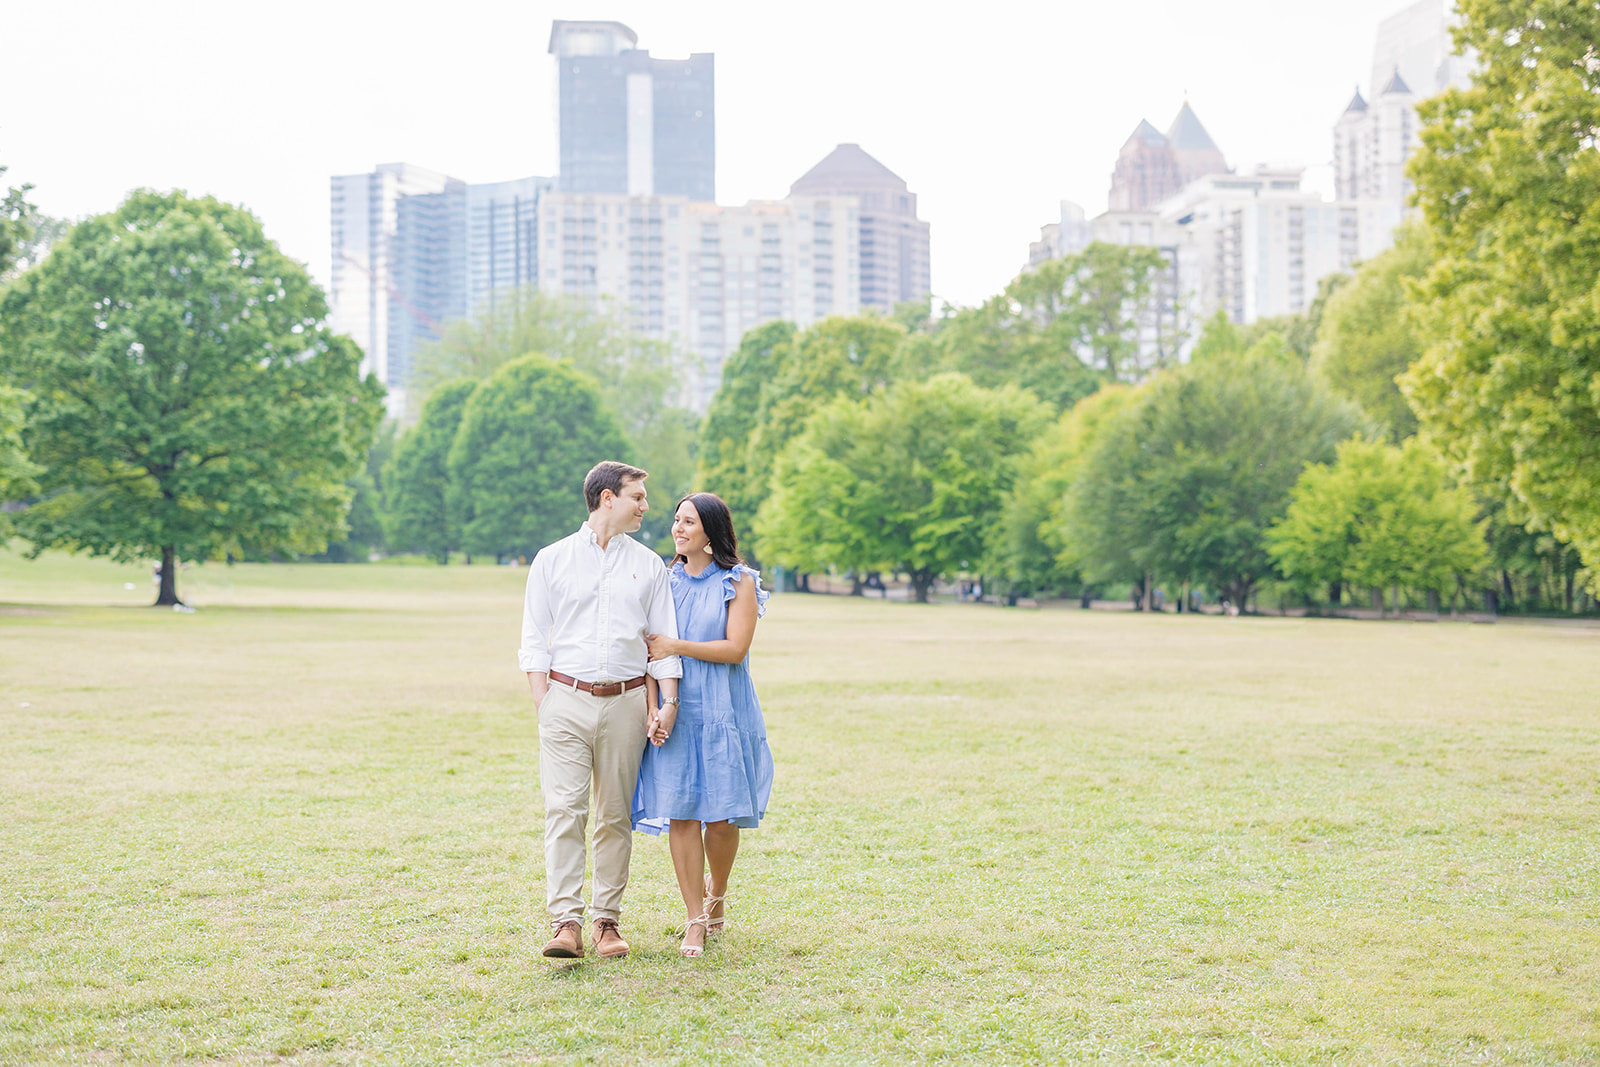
[[608, 474]]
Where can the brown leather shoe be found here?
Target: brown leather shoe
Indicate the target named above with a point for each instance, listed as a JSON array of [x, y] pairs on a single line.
[[608, 943], [568, 942]]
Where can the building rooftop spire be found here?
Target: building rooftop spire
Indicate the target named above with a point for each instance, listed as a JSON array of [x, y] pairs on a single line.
[[1187, 134], [1397, 84], [1357, 102]]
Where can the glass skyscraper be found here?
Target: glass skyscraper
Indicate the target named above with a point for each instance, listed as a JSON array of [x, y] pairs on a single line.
[[630, 123]]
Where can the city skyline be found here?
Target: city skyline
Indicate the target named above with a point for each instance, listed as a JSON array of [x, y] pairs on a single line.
[[1037, 111]]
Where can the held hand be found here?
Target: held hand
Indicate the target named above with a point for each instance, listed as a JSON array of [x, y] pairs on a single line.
[[661, 646], [661, 723]]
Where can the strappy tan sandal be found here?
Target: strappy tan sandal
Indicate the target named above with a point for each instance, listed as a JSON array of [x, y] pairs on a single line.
[[694, 952], [720, 923]]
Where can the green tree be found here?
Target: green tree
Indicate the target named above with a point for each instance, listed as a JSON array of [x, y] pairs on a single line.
[[735, 414], [17, 473], [1367, 339], [1379, 517], [417, 479], [528, 436], [646, 384], [1184, 484], [1030, 551], [911, 478], [1508, 178], [187, 398], [839, 356]]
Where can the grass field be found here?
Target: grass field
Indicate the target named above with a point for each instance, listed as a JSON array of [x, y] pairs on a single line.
[[303, 825]]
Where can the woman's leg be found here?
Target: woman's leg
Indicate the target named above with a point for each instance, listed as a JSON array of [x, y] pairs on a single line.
[[689, 863], [722, 845]]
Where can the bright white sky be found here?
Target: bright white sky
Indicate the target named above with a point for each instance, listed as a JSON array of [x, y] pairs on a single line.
[[993, 112]]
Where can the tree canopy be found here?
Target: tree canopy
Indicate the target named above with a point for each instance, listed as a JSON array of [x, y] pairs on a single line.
[[17, 472], [187, 398], [1508, 384], [417, 479], [1379, 517], [1367, 338], [1185, 482], [645, 384], [911, 478], [528, 435]]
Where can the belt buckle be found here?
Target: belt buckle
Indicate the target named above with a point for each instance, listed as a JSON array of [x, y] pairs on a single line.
[[611, 689]]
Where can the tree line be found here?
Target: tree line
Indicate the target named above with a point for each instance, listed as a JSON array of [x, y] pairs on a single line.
[[1428, 430]]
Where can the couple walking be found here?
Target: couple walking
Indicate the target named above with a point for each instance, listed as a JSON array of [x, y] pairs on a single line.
[[644, 696]]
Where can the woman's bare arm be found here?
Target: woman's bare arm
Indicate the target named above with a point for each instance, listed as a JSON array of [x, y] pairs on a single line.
[[733, 648]]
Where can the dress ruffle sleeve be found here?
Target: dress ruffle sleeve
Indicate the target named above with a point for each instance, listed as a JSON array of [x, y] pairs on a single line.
[[729, 577]]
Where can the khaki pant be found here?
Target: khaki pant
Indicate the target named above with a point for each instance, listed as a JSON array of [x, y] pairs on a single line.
[[584, 739]]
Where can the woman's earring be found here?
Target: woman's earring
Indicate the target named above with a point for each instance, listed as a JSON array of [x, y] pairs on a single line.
[[709, 549]]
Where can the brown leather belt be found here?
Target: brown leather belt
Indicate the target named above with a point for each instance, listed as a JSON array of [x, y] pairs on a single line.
[[603, 689]]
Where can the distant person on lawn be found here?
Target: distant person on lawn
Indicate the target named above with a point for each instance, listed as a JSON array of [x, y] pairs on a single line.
[[710, 775], [591, 599]]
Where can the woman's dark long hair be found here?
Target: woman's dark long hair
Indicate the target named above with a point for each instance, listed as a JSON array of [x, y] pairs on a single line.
[[717, 521]]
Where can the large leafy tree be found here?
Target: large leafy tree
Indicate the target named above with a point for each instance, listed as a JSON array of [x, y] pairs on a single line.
[[1184, 484], [417, 479], [528, 436], [187, 398], [735, 415], [645, 384], [1062, 328], [1029, 550], [1367, 340], [777, 382], [911, 478], [17, 472], [1509, 181], [1379, 517]]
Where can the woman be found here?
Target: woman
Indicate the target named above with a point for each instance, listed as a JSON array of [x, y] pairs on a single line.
[[708, 772]]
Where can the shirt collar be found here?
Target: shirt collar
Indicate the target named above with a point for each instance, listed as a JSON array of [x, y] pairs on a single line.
[[589, 537]]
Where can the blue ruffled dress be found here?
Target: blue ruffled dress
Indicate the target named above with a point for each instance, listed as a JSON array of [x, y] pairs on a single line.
[[716, 765]]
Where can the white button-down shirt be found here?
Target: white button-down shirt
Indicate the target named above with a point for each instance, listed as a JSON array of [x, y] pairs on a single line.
[[587, 611]]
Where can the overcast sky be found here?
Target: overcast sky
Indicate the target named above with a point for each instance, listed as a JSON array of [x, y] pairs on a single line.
[[992, 113]]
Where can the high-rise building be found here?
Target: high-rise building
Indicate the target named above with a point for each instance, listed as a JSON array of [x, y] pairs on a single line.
[[895, 245], [364, 217], [1057, 239], [629, 123], [452, 252], [1376, 135], [699, 275], [1152, 165]]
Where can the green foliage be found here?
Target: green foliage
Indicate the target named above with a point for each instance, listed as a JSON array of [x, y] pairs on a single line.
[[1030, 551], [735, 414], [643, 383], [775, 382], [16, 471], [1367, 339], [187, 398], [25, 234], [528, 436], [1184, 484], [1061, 329], [910, 479], [1381, 517], [1508, 178], [417, 479]]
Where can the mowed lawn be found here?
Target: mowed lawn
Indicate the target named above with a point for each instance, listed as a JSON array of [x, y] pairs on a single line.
[[303, 825]]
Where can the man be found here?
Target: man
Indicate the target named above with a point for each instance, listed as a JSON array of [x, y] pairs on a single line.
[[591, 599]]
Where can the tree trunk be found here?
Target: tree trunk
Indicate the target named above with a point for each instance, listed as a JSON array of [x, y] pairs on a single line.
[[1377, 600], [921, 582], [169, 578], [856, 587], [1567, 601], [1183, 605], [1145, 601], [1508, 591], [1397, 600], [1433, 601], [1085, 598], [1491, 602], [802, 582], [1335, 593]]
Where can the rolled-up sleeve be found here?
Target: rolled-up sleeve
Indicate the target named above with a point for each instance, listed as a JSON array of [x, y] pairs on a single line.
[[538, 618], [662, 618]]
